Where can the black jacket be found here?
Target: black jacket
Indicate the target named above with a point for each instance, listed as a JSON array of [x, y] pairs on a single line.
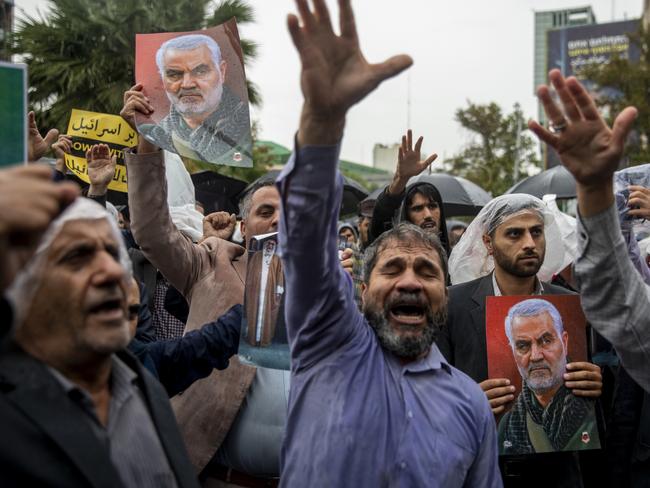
[[45, 444]]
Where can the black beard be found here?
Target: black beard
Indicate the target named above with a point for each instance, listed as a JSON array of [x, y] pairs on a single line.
[[410, 347], [512, 268]]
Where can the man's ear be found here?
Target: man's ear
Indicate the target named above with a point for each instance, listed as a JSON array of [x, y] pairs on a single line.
[[487, 242], [223, 67], [364, 288], [242, 229], [565, 340]]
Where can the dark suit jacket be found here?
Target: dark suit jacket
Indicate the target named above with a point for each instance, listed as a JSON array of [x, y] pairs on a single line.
[[462, 339], [46, 444]]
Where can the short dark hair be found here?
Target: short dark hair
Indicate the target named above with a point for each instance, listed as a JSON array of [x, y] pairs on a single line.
[[404, 232], [424, 190], [246, 201]]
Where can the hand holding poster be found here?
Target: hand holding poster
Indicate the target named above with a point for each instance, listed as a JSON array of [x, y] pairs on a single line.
[[530, 342], [89, 128], [196, 83], [263, 339]]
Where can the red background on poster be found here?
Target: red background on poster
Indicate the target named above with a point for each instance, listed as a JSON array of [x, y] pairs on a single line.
[[146, 70], [501, 363]]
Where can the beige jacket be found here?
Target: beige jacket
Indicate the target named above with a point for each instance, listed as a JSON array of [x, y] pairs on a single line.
[[211, 277]]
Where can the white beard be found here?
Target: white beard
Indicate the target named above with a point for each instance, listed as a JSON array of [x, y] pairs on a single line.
[[190, 108]]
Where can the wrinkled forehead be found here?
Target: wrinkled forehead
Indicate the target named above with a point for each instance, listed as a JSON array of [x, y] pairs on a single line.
[[175, 57], [407, 248], [533, 325]]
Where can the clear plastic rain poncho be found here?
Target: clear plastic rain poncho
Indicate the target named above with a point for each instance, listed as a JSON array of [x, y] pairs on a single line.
[[470, 260], [180, 198], [28, 280]]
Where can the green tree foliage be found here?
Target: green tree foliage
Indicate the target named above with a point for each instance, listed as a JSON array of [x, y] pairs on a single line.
[[81, 53], [621, 83], [488, 160]]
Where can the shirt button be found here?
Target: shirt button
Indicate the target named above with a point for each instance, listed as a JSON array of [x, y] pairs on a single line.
[[409, 414], [402, 465]]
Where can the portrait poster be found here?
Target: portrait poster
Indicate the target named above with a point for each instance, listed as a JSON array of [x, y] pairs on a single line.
[[196, 83], [13, 114], [89, 128], [263, 339], [530, 339]]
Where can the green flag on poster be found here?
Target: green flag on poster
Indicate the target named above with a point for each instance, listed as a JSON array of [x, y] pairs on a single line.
[[13, 113]]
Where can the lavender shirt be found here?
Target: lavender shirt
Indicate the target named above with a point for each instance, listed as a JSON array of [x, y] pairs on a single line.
[[357, 416]]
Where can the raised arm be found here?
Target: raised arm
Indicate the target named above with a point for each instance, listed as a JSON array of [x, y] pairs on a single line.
[[334, 76], [409, 164], [615, 299], [180, 260]]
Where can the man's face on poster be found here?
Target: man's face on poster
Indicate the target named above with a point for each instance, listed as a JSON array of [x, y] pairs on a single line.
[[539, 352], [192, 80]]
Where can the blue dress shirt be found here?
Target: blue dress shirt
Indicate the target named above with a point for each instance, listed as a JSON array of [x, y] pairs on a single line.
[[358, 417]]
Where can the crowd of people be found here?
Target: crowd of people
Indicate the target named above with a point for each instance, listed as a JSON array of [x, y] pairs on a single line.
[[120, 326]]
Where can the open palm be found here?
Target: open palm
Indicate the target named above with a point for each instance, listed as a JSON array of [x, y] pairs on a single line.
[[335, 74], [101, 167]]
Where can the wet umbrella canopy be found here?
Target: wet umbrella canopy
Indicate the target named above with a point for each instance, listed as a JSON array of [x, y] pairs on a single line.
[[555, 181], [459, 196]]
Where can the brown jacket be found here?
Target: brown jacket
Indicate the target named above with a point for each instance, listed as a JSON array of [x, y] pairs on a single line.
[[211, 277]]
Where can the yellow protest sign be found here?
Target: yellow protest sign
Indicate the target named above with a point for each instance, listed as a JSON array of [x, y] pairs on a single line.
[[89, 128]]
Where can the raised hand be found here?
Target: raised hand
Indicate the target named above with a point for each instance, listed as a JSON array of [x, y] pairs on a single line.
[[219, 224], [639, 202], [101, 168], [38, 145], [409, 163], [335, 75], [60, 148], [136, 102], [587, 146], [31, 200]]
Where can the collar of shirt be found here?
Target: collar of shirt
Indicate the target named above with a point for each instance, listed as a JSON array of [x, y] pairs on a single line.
[[122, 382], [432, 361], [539, 288]]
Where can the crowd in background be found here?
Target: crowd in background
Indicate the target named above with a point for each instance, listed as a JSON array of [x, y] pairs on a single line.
[[121, 325]]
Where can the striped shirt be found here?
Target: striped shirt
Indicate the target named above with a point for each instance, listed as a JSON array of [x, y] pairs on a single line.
[[130, 434]]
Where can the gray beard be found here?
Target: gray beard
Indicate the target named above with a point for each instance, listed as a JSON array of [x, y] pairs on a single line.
[[542, 385], [409, 347], [208, 105]]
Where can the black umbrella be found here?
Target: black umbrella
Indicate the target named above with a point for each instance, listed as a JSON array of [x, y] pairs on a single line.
[[353, 192], [217, 192], [459, 196], [557, 181]]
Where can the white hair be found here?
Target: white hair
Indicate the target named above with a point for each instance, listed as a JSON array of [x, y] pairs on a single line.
[[532, 308], [187, 43]]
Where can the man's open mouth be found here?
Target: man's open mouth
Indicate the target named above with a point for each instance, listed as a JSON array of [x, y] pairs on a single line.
[[428, 225], [110, 309], [407, 314]]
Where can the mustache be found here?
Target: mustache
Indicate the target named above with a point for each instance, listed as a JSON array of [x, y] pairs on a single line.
[[529, 254], [404, 298], [540, 365], [184, 92]]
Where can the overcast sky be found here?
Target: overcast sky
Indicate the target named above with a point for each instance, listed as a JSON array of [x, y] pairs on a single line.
[[463, 50]]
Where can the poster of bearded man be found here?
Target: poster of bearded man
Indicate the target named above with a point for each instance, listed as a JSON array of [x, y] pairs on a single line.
[[530, 341], [196, 83]]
